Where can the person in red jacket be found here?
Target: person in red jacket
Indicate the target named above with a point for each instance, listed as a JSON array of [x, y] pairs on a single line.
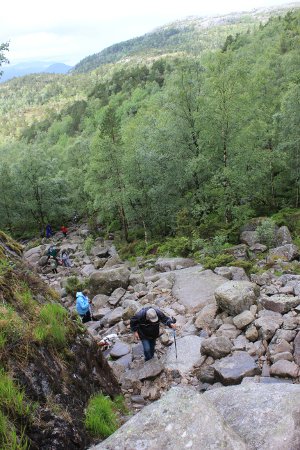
[[64, 230]]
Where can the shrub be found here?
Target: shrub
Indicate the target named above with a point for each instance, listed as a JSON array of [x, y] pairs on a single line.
[[100, 417], [52, 327], [265, 233], [211, 262], [74, 285], [88, 244], [176, 246]]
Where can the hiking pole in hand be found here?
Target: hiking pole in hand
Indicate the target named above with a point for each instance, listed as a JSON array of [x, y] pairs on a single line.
[[174, 335]]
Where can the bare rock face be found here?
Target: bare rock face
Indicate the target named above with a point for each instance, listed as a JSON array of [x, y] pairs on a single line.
[[232, 369], [266, 416], [235, 297], [181, 419]]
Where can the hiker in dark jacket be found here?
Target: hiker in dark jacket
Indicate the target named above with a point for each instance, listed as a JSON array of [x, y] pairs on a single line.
[[145, 325]]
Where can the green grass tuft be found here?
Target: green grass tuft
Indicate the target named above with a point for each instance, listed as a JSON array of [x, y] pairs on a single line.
[[52, 327], [100, 416]]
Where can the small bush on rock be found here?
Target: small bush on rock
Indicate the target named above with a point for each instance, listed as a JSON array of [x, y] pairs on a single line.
[[100, 417]]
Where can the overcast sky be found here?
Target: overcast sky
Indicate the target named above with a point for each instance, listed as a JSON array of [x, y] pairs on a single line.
[[68, 30]]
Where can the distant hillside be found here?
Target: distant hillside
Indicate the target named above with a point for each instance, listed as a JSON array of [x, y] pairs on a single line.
[[19, 70], [191, 35]]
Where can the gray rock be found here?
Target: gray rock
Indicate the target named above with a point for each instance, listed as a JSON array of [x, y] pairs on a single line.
[[194, 424], [265, 278], [188, 354], [235, 297], [249, 237], [217, 347], [169, 264], [205, 317], [100, 312], [280, 303], [251, 333], [149, 369], [228, 330], [100, 251], [258, 248], [131, 309], [283, 236], [113, 261], [195, 288], [114, 316], [243, 319], [232, 369], [105, 281], [37, 251], [284, 355], [268, 323], [100, 301], [87, 270], [223, 272], [271, 418], [99, 263], [297, 349], [119, 349], [287, 252], [116, 296], [283, 368], [238, 251], [238, 274]]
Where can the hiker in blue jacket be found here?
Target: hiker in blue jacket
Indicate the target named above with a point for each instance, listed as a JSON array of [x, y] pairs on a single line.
[[83, 306], [145, 325]]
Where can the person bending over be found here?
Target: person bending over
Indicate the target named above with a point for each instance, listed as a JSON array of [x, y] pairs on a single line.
[[145, 325]]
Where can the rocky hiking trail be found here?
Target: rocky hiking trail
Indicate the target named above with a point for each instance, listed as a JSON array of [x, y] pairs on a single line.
[[235, 382]]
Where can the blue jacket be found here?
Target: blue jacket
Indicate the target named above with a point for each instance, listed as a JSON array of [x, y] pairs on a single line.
[[82, 304]]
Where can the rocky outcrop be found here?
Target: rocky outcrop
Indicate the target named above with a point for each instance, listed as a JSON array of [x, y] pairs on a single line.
[[264, 416], [181, 419]]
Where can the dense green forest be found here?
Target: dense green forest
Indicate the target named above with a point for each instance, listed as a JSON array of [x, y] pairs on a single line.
[[178, 146]]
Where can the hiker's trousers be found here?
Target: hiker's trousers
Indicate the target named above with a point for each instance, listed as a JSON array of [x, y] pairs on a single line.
[[149, 347]]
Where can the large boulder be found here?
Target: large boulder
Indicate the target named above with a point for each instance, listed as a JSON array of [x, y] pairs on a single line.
[[217, 347], [194, 288], [181, 419], [266, 416], [235, 297], [105, 281], [283, 236], [249, 238], [188, 354], [287, 252], [232, 369]]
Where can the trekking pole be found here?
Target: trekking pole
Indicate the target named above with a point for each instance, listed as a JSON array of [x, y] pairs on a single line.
[[174, 335]]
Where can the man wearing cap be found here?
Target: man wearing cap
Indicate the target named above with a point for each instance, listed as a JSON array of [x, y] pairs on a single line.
[[145, 325]]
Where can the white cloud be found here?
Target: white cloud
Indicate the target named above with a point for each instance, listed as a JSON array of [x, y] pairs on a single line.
[[67, 31]]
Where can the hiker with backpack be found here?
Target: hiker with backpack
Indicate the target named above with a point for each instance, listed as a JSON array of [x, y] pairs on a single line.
[[145, 326], [65, 259], [53, 252], [83, 306]]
